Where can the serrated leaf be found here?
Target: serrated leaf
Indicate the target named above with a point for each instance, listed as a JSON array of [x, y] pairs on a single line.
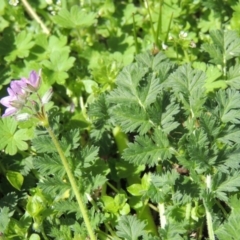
[[4, 219], [226, 45], [230, 136], [44, 144], [130, 228], [233, 76], [89, 155], [54, 185], [132, 118], [188, 86], [148, 151], [49, 165], [225, 183], [228, 102]]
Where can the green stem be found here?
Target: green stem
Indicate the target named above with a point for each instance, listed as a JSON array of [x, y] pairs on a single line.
[[151, 22], [144, 213], [33, 14], [72, 182], [135, 34], [222, 208], [207, 209], [210, 225], [159, 26], [168, 29]]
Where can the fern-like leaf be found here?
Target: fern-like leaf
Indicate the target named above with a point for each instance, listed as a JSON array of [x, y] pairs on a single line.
[[225, 183], [228, 101], [53, 186], [132, 118], [148, 151], [130, 228], [43, 144], [226, 45], [49, 165], [188, 86]]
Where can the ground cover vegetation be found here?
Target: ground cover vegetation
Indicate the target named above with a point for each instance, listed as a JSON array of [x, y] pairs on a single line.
[[120, 119]]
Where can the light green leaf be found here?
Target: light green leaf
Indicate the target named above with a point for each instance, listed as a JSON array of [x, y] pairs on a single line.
[[130, 228], [23, 44], [15, 178], [76, 18], [11, 138]]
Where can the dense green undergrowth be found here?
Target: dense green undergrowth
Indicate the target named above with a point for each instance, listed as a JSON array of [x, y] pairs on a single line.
[[143, 127]]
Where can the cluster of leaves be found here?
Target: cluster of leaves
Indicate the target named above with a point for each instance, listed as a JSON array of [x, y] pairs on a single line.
[[156, 153], [184, 134]]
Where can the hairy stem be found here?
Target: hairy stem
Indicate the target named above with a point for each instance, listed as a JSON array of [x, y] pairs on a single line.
[[73, 184], [33, 14], [163, 220], [209, 225], [207, 209]]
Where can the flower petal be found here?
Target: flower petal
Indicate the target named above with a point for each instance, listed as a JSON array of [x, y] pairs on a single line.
[[9, 112], [47, 96], [6, 101]]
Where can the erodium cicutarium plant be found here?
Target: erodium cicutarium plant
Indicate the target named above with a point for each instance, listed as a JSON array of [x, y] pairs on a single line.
[[24, 102]]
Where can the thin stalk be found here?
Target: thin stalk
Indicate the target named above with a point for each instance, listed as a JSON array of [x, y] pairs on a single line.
[[135, 34], [159, 26], [112, 187], [145, 214], [168, 29], [222, 208], [153, 207], [200, 232], [33, 14], [73, 183], [151, 22], [163, 220]]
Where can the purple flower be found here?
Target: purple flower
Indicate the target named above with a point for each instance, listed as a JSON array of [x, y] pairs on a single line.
[[15, 100], [33, 82], [19, 97]]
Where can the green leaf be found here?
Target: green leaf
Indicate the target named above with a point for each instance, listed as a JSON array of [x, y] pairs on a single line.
[[130, 228], [225, 46], [228, 102], [44, 144], [15, 178], [76, 18], [230, 135], [225, 183], [148, 151], [4, 219], [132, 118], [48, 165], [230, 228], [188, 86], [233, 76], [59, 64], [109, 204], [127, 81], [11, 138], [23, 44]]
